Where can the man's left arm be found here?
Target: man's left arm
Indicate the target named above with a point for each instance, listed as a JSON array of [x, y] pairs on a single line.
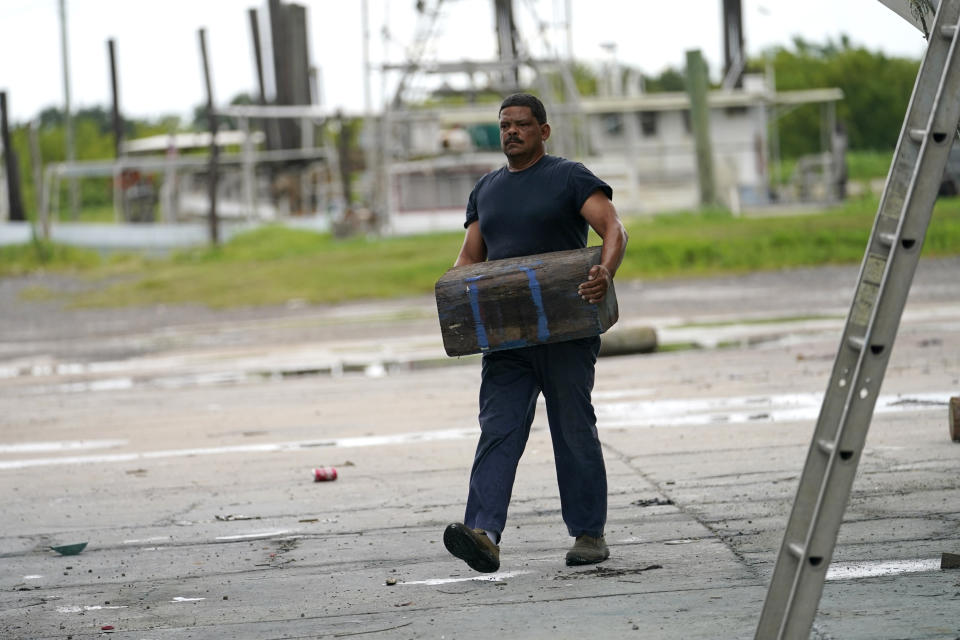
[[602, 217]]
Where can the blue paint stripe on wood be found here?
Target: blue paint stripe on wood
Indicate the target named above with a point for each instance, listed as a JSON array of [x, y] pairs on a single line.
[[543, 331], [481, 331]]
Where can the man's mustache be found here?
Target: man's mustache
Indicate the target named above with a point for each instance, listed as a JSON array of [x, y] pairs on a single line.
[[509, 140]]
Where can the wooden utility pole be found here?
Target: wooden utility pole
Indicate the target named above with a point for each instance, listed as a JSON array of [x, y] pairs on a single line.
[[214, 149], [36, 161], [14, 197], [343, 159], [700, 123]]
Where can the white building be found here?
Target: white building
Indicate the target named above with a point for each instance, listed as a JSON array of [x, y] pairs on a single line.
[[642, 145]]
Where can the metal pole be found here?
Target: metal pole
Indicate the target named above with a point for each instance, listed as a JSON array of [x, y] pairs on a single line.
[[117, 119], [214, 149], [119, 210], [67, 112], [13, 170], [270, 127]]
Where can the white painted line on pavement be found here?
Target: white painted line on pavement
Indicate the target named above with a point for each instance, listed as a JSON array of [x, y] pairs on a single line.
[[610, 415], [248, 536], [180, 599], [64, 445], [153, 539], [95, 607], [617, 394], [494, 577], [362, 441], [850, 570]]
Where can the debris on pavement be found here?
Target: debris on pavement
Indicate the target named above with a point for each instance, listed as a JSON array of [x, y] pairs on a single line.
[[607, 572], [324, 474], [652, 502], [391, 581], [955, 418], [231, 517], [70, 549], [950, 561]]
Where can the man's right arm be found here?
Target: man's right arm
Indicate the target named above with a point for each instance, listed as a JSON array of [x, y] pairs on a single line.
[[474, 249]]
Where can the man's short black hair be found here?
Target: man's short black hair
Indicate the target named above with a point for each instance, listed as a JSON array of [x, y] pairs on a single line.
[[526, 100]]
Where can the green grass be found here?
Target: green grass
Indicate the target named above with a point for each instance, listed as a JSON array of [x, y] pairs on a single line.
[[38, 256], [273, 265], [691, 244], [861, 165], [866, 165]]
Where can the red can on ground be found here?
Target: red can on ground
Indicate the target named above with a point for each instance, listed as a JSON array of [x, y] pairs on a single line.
[[323, 474]]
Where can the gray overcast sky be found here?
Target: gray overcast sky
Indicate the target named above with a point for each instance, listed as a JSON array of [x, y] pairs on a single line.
[[159, 60]]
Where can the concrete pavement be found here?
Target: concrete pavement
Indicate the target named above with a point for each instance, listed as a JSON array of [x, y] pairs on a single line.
[[178, 443]]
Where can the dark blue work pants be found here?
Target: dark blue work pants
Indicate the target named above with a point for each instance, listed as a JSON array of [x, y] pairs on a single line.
[[511, 382]]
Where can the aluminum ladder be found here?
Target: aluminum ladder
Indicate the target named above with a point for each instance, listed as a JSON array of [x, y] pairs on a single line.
[[884, 281]]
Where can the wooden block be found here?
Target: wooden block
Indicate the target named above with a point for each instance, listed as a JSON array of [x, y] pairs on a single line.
[[629, 340], [520, 302], [955, 418], [949, 560]]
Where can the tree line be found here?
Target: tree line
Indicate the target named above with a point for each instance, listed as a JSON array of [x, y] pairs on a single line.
[[876, 91]]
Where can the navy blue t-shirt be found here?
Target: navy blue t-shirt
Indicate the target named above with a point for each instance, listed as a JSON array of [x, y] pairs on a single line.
[[535, 210]]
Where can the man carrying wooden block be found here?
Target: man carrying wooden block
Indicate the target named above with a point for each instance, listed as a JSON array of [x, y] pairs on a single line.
[[535, 204]]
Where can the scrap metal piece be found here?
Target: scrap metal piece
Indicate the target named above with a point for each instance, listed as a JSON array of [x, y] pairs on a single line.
[[70, 549]]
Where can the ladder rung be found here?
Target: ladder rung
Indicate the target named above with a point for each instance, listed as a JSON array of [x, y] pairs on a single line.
[[855, 342], [796, 549], [948, 31], [888, 239], [826, 446], [918, 135]]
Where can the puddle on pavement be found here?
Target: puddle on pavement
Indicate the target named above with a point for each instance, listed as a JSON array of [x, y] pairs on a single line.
[[740, 409], [214, 378]]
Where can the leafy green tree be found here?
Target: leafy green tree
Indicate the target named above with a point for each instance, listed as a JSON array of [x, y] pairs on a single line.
[[876, 91], [201, 120], [670, 79]]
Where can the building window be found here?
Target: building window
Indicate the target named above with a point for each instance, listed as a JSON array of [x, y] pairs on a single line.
[[648, 123], [613, 123]]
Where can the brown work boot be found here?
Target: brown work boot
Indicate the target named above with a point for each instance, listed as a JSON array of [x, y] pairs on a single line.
[[587, 550], [472, 546]]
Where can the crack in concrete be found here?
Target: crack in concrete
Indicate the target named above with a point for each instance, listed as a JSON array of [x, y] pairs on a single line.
[[727, 542]]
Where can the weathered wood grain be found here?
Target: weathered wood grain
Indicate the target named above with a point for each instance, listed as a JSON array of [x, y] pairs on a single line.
[[520, 302]]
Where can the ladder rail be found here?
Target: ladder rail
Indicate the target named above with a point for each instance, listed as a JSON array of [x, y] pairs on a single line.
[[883, 285]]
